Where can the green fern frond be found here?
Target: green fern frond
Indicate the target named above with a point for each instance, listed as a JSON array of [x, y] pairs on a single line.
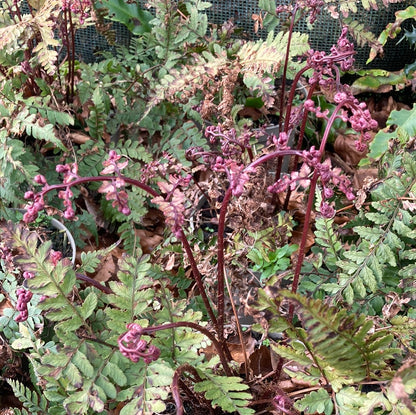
[[362, 36], [132, 293], [326, 238], [342, 346], [401, 125], [229, 393], [387, 238], [32, 402], [152, 390], [96, 122]]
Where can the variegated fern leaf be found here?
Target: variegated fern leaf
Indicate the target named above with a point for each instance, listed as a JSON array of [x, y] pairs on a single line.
[[39, 26]]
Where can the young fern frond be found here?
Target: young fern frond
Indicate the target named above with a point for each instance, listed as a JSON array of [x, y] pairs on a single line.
[[327, 239], [269, 55], [96, 122]]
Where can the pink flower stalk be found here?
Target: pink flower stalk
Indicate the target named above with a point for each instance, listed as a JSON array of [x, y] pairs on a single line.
[[81, 8], [23, 297], [134, 348]]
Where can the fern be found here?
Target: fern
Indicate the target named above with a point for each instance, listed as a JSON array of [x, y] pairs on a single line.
[[98, 115], [186, 136], [40, 27], [229, 393], [316, 402], [32, 402], [151, 392], [387, 240], [268, 56], [341, 347]]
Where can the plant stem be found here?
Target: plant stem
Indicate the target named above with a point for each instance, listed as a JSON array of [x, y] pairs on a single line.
[[198, 279], [309, 206], [221, 263]]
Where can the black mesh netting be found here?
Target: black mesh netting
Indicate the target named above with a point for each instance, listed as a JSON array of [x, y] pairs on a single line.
[[324, 34]]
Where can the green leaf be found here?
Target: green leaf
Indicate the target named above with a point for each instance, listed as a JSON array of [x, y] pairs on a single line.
[[89, 305], [316, 402], [131, 15]]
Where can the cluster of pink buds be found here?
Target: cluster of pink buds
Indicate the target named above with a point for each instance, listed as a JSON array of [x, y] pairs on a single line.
[[23, 297], [232, 144], [353, 112], [237, 174], [324, 65], [283, 404], [313, 7], [81, 8], [134, 347], [329, 178]]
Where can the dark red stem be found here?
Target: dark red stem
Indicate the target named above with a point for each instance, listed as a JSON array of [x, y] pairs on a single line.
[[309, 206]]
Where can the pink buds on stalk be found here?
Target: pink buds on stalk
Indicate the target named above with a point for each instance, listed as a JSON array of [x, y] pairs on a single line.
[[134, 348]]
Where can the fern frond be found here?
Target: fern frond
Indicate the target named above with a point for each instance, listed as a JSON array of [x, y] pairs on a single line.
[[362, 36], [35, 404], [229, 393], [96, 122], [151, 392], [342, 346], [327, 239], [268, 56]]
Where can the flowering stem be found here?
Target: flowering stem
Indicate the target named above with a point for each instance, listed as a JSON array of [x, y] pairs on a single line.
[[82, 180], [311, 197], [152, 192], [221, 263], [282, 95], [198, 279]]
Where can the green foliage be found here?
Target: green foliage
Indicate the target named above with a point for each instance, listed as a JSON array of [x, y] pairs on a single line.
[[98, 115], [229, 393], [343, 346], [386, 235], [316, 402], [31, 400], [393, 29], [130, 15], [269, 263], [401, 126], [28, 28]]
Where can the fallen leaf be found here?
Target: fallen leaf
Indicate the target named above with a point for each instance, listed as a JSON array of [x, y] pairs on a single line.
[[344, 146], [78, 138]]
